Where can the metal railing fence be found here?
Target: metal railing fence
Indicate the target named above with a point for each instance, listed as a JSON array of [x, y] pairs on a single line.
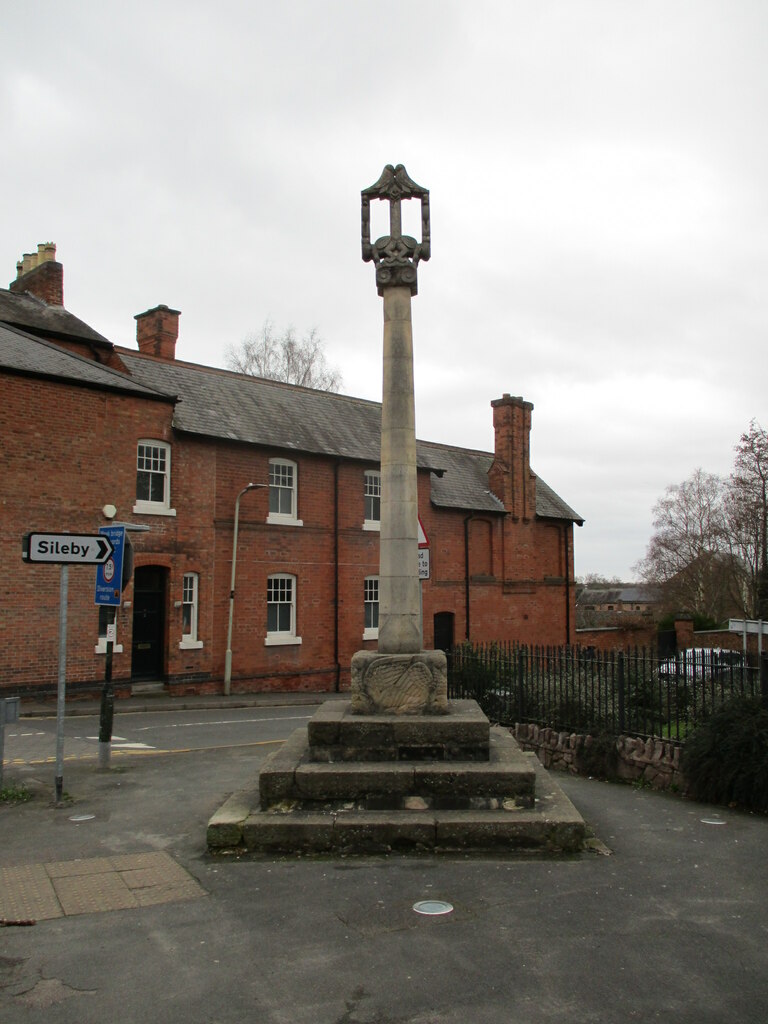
[[631, 692]]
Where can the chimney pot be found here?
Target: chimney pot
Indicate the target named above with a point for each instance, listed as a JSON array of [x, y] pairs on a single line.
[[39, 274]]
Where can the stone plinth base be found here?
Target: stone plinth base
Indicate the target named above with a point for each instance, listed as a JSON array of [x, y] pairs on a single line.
[[400, 684], [460, 734], [377, 783]]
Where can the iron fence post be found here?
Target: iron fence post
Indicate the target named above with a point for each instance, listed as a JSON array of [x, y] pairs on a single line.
[[520, 685], [622, 694]]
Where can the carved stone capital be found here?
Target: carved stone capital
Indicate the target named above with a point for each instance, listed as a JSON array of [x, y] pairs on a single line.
[[396, 255], [392, 274]]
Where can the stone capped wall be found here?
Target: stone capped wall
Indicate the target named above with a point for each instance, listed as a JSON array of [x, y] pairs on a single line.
[[653, 762]]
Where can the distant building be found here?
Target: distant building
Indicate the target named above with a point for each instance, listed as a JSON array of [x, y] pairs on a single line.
[[86, 424], [602, 606]]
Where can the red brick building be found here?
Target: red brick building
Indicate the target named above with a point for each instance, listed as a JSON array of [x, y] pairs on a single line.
[[86, 424]]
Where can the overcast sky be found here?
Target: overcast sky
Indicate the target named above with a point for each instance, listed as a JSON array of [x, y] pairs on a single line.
[[598, 176]]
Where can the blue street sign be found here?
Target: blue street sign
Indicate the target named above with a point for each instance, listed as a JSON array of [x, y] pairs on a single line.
[[109, 576]]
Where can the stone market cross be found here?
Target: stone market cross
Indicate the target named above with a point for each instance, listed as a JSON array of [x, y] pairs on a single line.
[[401, 677]]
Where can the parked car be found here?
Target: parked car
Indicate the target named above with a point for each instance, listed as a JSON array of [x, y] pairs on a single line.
[[701, 663]]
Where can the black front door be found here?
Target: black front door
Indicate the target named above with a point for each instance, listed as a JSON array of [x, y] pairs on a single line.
[[443, 622], [148, 623]]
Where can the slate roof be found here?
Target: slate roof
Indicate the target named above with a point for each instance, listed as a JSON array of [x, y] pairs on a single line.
[[222, 404], [27, 311], [23, 353], [617, 595]]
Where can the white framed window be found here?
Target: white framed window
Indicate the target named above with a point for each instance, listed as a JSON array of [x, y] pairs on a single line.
[[189, 607], [283, 476], [371, 604], [372, 499], [281, 610], [153, 478], [106, 613]]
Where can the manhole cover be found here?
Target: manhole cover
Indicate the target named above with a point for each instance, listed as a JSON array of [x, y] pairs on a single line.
[[433, 907]]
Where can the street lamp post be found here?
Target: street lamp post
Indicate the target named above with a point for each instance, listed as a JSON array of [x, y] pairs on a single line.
[[228, 655]]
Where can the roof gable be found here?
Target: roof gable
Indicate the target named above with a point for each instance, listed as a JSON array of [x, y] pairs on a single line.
[[32, 314], [25, 354]]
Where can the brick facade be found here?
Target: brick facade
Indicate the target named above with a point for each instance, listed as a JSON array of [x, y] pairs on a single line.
[[70, 442]]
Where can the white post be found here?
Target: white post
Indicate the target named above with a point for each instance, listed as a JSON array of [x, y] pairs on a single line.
[[62, 684]]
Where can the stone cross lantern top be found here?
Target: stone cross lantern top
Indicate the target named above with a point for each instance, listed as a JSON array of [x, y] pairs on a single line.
[[396, 255], [401, 677]]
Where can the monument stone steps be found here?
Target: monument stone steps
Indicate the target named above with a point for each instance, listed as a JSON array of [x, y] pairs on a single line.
[[307, 802]]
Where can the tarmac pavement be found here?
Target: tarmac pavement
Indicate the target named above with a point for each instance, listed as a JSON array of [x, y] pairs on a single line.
[[671, 923]]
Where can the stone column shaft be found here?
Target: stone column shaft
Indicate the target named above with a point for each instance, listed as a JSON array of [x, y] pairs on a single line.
[[399, 588]]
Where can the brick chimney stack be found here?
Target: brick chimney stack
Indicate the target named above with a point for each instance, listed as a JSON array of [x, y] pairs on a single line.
[[510, 477], [39, 274], [157, 331]]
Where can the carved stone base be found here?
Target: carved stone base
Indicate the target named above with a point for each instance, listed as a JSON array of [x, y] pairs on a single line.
[[400, 684]]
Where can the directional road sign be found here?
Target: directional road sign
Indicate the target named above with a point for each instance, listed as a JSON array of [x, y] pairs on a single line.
[[748, 626], [109, 575], [66, 548]]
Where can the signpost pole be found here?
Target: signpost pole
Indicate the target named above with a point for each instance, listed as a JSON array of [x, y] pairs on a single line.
[[109, 585], [62, 687], [107, 712], [106, 552]]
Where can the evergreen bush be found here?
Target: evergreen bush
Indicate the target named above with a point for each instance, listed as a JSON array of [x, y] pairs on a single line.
[[725, 759], [598, 757]]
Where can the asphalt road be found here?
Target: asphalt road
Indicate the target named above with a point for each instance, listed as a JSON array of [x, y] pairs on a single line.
[[32, 741], [670, 926]]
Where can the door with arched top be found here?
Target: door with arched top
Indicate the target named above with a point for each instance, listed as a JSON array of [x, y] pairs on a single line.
[[443, 623], [148, 648]]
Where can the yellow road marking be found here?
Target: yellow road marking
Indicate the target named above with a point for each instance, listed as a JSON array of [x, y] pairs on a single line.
[[143, 753]]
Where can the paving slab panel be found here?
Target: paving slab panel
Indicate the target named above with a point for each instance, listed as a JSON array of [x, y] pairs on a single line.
[[73, 868], [27, 894], [39, 892], [93, 894]]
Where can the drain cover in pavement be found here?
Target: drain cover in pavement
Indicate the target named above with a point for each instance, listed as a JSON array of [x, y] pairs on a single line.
[[433, 908]]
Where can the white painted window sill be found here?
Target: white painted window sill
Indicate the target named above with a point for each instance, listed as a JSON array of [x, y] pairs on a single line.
[[190, 645], [151, 508], [371, 634], [373, 525], [277, 519], [281, 640]]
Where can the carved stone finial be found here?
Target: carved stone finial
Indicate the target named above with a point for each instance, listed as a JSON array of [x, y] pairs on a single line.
[[396, 255]]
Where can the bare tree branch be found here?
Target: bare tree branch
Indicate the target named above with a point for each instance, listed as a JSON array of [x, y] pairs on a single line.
[[708, 552], [282, 356]]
